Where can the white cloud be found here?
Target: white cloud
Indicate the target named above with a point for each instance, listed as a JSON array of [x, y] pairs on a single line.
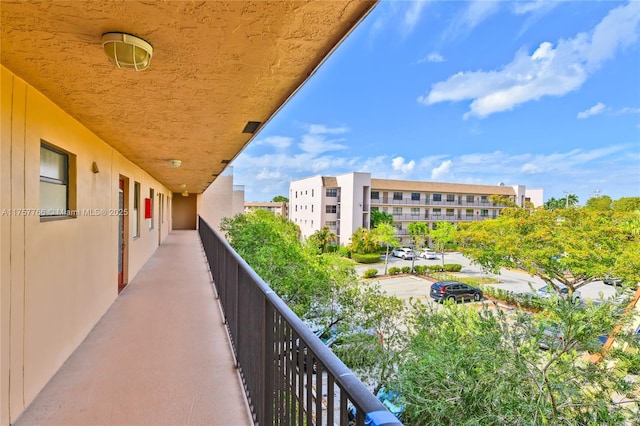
[[280, 142], [534, 7], [549, 71], [627, 110], [594, 110], [399, 164], [529, 168], [442, 171], [321, 129], [476, 12], [431, 57], [317, 144], [412, 15]]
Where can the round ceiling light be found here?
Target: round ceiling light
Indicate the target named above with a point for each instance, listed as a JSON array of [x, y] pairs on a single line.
[[127, 51]]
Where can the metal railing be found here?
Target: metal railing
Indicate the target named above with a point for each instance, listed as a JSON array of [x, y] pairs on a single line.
[[290, 377]]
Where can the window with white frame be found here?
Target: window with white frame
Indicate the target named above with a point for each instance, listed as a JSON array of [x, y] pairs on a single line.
[[415, 196], [397, 211], [469, 198], [397, 196], [332, 192], [331, 209], [451, 198], [437, 197], [415, 211], [375, 195]]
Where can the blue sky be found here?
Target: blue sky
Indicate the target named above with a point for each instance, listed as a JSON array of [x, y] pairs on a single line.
[[539, 93]]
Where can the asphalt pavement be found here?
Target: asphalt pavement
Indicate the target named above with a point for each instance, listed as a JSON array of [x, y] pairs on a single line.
[[405, 285]]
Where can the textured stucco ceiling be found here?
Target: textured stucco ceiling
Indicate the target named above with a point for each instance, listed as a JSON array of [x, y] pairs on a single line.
[[216, 65]]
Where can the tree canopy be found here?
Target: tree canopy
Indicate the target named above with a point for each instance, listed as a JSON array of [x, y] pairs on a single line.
[[378, 217], [280, 199], [570, 246], [483, 366]]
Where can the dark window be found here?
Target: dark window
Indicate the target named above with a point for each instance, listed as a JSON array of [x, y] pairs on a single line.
[[451, 198], [415, 196], [54, 182], [397, 195], [331, 209], [332, 192], [469, 198], [375, 195], [437, 197], [136, 209]]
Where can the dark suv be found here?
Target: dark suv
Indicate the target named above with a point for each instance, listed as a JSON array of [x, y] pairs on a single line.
[[455, 291]]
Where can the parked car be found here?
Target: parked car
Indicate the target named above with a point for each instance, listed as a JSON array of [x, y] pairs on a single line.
[[403, 252], [428, 254], [455, 291], [612, 281], [548, 291]]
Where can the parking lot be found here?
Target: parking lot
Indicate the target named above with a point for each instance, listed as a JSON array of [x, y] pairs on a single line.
[[405, 286]]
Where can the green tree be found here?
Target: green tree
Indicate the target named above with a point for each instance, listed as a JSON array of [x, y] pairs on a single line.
[[385, 235], [570, 246], [363, 241], [418, 232], [626, 204], [323, 238], [603, 203], [475, 367], [443, 233], [569, 200], [378, 217], [502, 200], [280, 199]]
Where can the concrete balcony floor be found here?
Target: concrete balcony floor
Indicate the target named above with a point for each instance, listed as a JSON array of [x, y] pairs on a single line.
[[159, 356]]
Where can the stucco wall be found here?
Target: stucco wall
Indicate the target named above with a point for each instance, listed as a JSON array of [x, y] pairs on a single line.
[[58, 277], [221, 199]]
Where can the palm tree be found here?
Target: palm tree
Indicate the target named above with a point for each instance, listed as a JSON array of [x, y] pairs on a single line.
[[325, 237]]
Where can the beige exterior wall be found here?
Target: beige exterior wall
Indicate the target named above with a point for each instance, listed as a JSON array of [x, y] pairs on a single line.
[[58, 277], [221, 199]]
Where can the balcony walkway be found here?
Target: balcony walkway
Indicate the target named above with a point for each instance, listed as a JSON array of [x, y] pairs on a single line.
[[159, 356]]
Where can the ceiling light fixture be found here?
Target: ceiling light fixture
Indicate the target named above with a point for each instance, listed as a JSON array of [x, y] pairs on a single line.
[[127, 51], [175, 163], [185, 193]]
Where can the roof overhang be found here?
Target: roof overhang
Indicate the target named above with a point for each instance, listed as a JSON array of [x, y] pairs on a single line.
[[217, 67]]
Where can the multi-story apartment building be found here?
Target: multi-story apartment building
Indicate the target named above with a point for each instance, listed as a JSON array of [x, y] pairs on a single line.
[[277, 208], [344, 203]]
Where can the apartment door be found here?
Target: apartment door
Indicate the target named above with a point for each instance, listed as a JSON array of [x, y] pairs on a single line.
[[122, 233]]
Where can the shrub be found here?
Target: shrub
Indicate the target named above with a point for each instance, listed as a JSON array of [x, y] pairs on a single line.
[[452, 267], [370, 273], [366, 258], [406, 269], [394, 270], [343, 251], [434, 268], [420, 269]]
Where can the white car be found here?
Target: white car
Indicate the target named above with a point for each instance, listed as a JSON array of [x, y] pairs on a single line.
[[428, 254], [403, 252], [547, 291]]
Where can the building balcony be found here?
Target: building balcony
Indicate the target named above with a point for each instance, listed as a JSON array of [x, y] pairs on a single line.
[[198, 338]]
